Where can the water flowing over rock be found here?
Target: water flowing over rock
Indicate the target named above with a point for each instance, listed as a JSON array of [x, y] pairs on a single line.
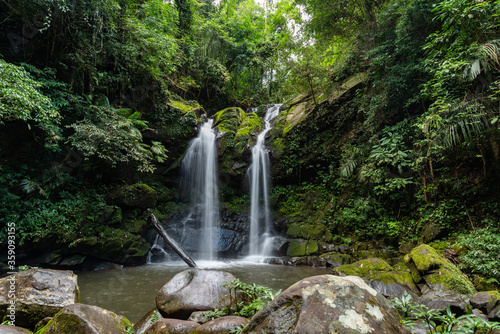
[[199, 182], [88, 319], [328, 304], [193, 290], [260, 175], [39, 293]]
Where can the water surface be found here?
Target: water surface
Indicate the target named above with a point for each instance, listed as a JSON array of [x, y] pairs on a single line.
[[131, 291]]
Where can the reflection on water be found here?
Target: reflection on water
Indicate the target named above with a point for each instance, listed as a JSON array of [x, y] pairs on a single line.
[[131, 291]]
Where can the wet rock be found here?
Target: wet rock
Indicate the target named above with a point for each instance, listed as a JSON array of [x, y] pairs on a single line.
[[4, 329], [193, 290], [172, 326], [39, 293], [81, 318], [147, 320], [222, 325], [137, 195], [328, 304], [382, 277]]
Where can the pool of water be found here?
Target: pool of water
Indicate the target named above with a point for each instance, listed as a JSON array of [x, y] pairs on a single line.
[[131, 291]]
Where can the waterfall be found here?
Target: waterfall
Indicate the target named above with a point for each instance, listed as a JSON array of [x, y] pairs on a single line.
[[259, 172], [199, 169]]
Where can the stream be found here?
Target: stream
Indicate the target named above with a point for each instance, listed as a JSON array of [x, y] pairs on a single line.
[[131, 291]]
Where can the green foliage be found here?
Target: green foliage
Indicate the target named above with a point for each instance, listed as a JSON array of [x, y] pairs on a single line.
[[441, 321], [116, 139], [483, 247], [21, 99], [245, 299]]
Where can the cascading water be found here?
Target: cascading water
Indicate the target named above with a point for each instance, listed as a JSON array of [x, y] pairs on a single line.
[[259, 172], [199, 168]]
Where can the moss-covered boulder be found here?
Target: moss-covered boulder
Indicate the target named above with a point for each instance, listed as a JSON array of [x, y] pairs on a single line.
[[137, 195], [435, 272], [381, 276], [39, 293], [88, 319], [115, 245], [237, 131], [336, 259]]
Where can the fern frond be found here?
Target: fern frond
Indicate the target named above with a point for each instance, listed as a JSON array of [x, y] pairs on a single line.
[[348, 167]]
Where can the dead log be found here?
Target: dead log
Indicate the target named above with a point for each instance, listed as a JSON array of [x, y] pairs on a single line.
[[171, 242]]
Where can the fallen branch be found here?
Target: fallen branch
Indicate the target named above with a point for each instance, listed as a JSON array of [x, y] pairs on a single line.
[[171, 242]]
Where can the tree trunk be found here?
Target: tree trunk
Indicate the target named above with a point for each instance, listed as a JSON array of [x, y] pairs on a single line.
[[171, 242]]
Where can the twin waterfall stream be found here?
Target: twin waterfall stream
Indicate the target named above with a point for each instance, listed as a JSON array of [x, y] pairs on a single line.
[[198, 232]]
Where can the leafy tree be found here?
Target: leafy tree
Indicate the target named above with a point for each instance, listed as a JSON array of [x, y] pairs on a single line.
[[21, 99]]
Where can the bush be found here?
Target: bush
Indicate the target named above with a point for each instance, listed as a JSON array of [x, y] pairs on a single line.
[[483, 255]]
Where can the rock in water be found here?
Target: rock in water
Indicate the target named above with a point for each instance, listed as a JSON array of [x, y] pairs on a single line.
[[39, 293], [328, 304], [88, 319], [193, 290]]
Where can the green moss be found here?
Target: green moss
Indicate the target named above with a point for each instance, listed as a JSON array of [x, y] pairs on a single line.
[[425, 258], [426, 263], [184, 106], [312, 247], [250, 124], [365, 268], [297, 247]]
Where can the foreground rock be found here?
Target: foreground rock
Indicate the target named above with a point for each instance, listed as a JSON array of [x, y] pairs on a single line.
[[222, 325], [381, 276], [39, 293], [328, 304], [171, 326], [193, 290], [81, 318], [147, 320], [13, 330]]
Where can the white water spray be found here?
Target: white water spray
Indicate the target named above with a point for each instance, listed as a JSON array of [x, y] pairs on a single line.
[[200, 171], [259, 171]]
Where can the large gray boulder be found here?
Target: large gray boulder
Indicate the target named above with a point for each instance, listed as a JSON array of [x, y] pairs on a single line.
[[39, 293], [193, 290], [88, 319], [328, 304]]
